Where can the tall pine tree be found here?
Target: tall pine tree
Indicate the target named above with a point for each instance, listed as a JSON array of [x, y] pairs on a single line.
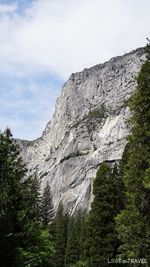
[[47, 208], [36, 246], [22, 241], [60, 236], [102, 242], [73, 241], [133, 223], [12, 171]]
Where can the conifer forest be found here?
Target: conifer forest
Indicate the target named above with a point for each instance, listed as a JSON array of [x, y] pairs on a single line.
[[114, 232]]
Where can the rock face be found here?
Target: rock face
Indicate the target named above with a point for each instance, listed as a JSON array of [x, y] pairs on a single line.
[[87, 128]]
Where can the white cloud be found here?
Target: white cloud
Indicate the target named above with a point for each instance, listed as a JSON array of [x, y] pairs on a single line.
[[7, 8], [27, 110], [64, 36], [60, 37]]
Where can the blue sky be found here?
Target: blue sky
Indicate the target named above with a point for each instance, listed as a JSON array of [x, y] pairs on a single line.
[[43, 41], [27, 103]]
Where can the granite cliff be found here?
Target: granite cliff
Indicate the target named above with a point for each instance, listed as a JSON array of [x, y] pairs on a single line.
[[88, 127]]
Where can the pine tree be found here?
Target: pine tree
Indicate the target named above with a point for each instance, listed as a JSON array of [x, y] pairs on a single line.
[[32, 198], [102, 242], [36, 247], [76, 238], [133, 223], [38, 252], [12, 171], [47, 208], [83, 235], [60, 236], [73, 242], [23, 242]]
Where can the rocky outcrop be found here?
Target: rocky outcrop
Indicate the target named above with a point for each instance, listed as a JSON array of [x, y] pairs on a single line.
[[88, 127]]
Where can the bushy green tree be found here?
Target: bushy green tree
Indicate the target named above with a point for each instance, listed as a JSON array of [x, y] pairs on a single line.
[[133, 223], [36, 247], [60, 236], [83, 234], [39, 253], [76, 238], [22, 239], [102, 242], [47, 208], [73, 242], [32, 198], [12, 170]]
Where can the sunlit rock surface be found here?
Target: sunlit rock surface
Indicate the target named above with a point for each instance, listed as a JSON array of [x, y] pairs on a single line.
[[88, 127]]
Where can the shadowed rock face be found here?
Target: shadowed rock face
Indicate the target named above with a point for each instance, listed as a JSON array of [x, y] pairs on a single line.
[[87, 128]]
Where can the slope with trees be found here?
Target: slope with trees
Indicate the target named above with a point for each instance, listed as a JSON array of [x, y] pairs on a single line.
[[23, 242], [102, 241], [133, 223]]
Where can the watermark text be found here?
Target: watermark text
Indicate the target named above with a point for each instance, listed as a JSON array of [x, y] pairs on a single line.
[[129, 261]]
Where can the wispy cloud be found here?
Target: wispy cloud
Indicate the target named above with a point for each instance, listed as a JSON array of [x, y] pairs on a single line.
[[58, 37], [64, 36], [7, 8], [26, 106]]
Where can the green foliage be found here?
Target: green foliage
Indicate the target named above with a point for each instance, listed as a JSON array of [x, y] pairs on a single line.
[[133, 223], [98, 113], [118, 223], [83, 233], [23, 242], [76, 238], [29, 218], [47, 208], [147, 49], [92, 116], [38, 255], [32, 198], [81, 264], [36, 248], [60, 236], [102, 242], [12, 170]]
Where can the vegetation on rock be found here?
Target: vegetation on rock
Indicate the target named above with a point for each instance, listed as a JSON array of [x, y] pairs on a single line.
[[118, 223], [133, 223]]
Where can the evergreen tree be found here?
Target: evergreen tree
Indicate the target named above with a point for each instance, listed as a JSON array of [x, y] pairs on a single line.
[[76, 238], [133, 223], [23, 242], [102, 242], [73, 242], [47, 208], [12, 171], [60, 236], [38, 252], [83, 234], [32, 198], [36, 247]]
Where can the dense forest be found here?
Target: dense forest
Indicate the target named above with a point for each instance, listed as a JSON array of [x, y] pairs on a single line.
[[115, 231]]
